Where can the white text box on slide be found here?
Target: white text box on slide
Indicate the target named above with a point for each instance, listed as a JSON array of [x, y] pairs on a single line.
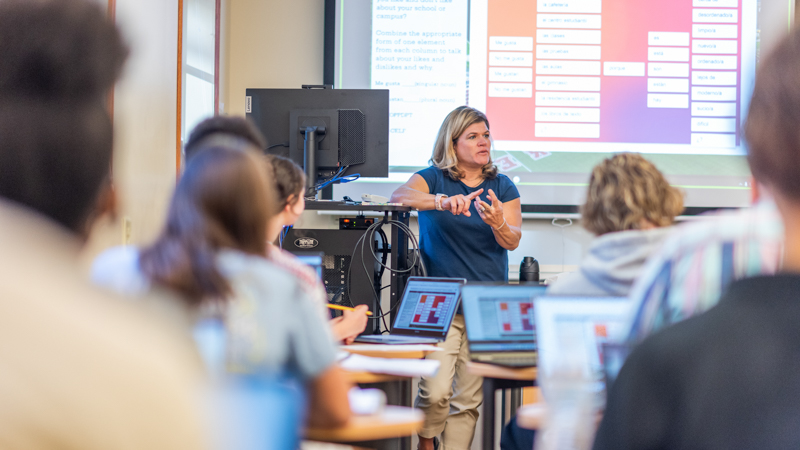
[[568, 21], [570, 6], [715, 15], [545, 83], [714, 109], [715, 31], [568, 114], [568, 52], [713, 78], [705, 125], [568, 36], [512, 59], [667, 100], [511, 43], [672, 38], [678, 85], [511, 90], [567, 130], [721, 94], [567, 99], [715, 3], [668, 70], [714, 140], [718, 62], [623, 69], [567, 67], [714, 46], [511, 74], [677, 54]]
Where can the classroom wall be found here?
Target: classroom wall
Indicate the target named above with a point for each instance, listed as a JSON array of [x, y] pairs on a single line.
[[272, 44], [145, 111]]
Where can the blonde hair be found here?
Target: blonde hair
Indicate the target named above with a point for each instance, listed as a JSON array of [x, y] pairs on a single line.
[[444, 152], [626, 190]]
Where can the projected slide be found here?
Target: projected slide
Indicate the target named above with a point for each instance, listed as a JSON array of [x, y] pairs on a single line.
[[432, 311], [617, 71], [515, 317], [419, 52]]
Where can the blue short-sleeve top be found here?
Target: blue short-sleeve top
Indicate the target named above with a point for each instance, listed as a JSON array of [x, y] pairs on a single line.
[[461, 246]]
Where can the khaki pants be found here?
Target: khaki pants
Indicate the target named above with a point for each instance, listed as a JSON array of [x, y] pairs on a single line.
[[450, 399]]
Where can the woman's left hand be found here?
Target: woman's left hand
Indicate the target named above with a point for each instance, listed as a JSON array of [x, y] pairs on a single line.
[[491, 214]]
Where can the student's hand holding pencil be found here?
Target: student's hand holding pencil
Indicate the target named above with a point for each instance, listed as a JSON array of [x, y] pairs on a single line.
[[352, 322]]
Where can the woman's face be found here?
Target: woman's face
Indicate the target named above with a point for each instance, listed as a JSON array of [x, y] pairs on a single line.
[[473, 146]]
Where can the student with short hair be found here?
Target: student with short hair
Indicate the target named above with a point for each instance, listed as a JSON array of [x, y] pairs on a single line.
[[78, 369], [289, 181]]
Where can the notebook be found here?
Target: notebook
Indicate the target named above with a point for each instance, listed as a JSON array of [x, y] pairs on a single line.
[[574, 330], [500, 323], [424, 314]]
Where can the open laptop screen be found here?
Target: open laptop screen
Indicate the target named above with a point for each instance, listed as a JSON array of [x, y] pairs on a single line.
[[428, 306], [500, 318], [574, 330]]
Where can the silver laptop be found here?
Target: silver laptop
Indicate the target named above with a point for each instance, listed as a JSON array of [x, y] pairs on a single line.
[[573, 331], [424, 314], [500, 323]]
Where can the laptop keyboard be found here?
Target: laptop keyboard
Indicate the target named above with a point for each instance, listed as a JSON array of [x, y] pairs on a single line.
[[508, 359]]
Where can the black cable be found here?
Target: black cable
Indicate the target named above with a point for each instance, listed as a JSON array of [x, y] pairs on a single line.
[[285, 144], [370, 232]]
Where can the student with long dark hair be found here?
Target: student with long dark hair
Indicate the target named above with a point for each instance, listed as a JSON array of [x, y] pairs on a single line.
[[211, 254]]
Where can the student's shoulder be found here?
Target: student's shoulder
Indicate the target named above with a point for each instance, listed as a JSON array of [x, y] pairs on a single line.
[[257, 271]]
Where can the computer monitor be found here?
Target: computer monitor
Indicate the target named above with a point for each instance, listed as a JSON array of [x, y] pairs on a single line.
[[329, 132]]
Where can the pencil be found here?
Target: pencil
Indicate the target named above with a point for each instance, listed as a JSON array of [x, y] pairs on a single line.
[[345, 308]]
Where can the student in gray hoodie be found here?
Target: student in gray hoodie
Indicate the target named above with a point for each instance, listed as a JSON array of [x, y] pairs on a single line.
[[629, 206]]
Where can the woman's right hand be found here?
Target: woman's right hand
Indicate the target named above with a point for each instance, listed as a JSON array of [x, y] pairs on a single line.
[[459, 204]]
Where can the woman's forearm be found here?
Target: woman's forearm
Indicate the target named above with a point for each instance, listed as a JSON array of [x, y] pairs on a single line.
[[507, 236], [413, 198]]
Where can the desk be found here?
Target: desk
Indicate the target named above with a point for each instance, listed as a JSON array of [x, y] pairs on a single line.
[[392, 422], [494, 378], [391, 351], [397, 383], [371, 378]]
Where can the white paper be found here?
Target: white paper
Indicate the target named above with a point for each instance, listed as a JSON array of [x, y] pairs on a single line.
[[393, 348], [391, 366]]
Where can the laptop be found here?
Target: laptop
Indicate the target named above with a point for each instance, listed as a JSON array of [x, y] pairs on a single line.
[[572, 333], [500, 323], [424, 314]]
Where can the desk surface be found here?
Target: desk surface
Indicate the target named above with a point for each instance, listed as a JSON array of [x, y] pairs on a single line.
[[503, 372], [370, 377], [392, 422], [390, 351], [328, 205]]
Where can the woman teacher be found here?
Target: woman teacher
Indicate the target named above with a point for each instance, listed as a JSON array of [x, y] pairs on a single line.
[[463, 234]]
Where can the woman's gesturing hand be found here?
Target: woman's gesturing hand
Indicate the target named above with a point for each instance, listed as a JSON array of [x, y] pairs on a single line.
[[491, 214], [459, 204]]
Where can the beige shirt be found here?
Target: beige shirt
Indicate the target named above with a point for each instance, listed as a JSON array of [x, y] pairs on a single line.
[[79, 369]]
